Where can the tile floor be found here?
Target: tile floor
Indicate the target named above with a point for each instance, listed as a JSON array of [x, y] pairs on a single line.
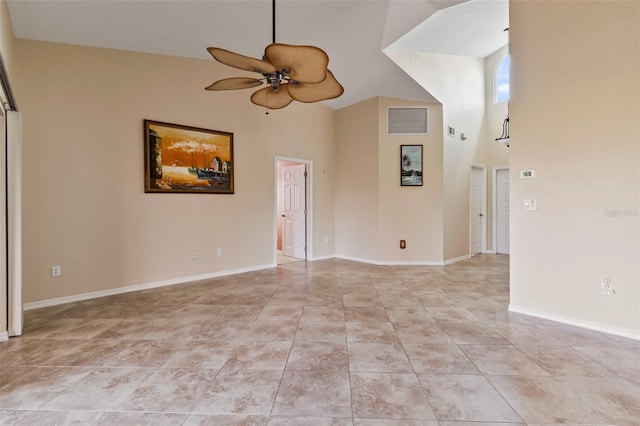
[[331, 342]]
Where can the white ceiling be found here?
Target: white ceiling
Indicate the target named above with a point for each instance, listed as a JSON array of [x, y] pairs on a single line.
[[352, 32]]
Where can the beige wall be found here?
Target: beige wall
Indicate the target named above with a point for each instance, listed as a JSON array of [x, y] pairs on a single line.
[[356, 189], [458, 82], [574, 108], [85, 208], [413, 214], [373, 212]]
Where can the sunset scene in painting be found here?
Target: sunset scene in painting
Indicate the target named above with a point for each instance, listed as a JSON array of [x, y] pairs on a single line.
[[182, 159]]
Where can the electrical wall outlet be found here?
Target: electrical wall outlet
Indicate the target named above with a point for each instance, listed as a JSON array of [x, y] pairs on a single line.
[[606, 287], [219, 252], [403, 244], [56, 271], [194, 255]]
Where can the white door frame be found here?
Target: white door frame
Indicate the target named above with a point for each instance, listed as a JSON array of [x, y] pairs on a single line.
[[308, 204], [483, 190], [494, 203], [14, 222]]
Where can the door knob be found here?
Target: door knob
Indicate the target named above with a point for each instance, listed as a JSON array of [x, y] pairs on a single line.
[[481, 214]]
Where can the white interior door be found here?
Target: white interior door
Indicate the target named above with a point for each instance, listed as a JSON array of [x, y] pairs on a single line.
[[294, 211], [502, 211], [476, 210]]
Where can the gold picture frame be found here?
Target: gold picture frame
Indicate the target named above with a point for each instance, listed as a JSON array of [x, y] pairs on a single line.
[[185, 159]]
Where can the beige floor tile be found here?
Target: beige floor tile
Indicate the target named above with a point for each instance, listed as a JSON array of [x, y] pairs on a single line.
[[451, 314], [277, 312], [389, 396], [439, 359], [200, 354], [565, 361], [378, 357], [502, 360], [170, 390], [409, 315], [271, 330], [225, 420], [314, 393], [415, 333], [466, 398], [321, 331], [79, 418], [144, 353], [371, 332], [323, 313], [108, 389], [365, 314], [33, 388], [387, 422], [575, 336], [472, 333], [349, 338], [239, 313], [310, 421], [528, 335], [615, 397], [623, 361], [259, 356], [543, 400], [240, 392], [318, 356]]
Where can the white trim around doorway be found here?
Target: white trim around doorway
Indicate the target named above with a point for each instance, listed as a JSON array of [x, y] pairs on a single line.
[[308, 203], [494, 204]]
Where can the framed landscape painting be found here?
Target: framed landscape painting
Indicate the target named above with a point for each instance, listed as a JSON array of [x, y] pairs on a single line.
[[411, 165], [187, 159]]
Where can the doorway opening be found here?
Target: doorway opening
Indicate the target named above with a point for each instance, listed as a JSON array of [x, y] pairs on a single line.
[[293, 210]]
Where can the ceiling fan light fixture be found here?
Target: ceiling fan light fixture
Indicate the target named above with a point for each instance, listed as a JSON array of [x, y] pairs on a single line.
[[301, 69], [327, 89], [234, 83], [270, 98], [307, 64]]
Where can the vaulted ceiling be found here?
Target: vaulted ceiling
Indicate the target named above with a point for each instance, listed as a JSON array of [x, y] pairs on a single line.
[[353, 32]]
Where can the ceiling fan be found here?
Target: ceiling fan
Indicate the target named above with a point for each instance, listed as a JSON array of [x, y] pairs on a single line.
[[291, 73]]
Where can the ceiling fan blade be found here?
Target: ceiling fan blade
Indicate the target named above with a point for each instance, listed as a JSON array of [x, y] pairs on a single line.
[[240, 61], [307, 64], [271, 99], [314, 92], [234, 83]]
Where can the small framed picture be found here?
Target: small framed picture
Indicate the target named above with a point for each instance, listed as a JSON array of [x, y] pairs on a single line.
[[411, 165]]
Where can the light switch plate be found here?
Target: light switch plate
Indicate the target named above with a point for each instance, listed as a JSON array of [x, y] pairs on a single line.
[[529, 205]]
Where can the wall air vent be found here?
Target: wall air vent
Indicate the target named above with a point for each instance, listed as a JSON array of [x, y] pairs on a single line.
[[407, 120]]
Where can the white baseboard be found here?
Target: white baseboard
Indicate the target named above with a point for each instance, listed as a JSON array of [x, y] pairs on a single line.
[[457, 259], [138, 287], [617, 331], [489, 252], [328, 256], [4, 336], [391, 262]]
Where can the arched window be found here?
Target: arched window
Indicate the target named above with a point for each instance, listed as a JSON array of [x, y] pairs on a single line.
[[502, 80]]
